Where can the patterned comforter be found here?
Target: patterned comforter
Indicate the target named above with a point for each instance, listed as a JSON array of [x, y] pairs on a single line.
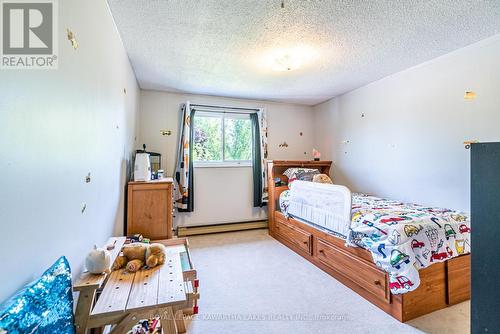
[[405, 237]]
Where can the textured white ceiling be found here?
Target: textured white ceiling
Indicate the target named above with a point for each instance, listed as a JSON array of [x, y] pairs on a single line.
[[218, 47]]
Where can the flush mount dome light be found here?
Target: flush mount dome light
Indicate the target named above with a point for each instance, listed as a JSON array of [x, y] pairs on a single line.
[[289, 59], [286, 62]]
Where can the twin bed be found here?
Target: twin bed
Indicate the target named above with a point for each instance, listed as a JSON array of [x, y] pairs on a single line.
[[407, 259]]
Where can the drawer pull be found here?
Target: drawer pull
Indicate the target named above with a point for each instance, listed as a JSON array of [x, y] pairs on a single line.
[[322, 251], [305, 242], [377, 282]]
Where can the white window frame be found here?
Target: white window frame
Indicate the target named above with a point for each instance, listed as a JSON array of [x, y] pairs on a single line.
[[222, 163]]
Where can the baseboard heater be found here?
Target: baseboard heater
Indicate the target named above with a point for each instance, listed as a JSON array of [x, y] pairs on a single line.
[[217, 228]]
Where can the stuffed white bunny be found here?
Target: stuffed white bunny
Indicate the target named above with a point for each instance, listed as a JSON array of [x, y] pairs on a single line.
[[98, 261]]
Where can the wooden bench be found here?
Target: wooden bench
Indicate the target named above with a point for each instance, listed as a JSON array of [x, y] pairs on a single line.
[[119, 300]]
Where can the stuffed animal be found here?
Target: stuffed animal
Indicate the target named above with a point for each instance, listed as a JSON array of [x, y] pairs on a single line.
[[155, 255], [120, 262], [322, 178], [135, 251], [134, 265], [136, 255], [98, 261]]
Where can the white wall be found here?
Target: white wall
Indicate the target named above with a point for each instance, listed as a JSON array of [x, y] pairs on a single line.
[[56, 126], [223, 194], [408, 146]]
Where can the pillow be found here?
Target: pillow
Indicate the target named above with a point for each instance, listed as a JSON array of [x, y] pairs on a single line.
[[44, 306], [303, 174], [307, 176]]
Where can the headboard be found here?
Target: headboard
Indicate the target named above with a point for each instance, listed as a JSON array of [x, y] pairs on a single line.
[[275, 168]]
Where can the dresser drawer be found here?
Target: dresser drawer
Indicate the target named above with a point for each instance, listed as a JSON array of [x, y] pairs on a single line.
[[294, 235], [360, 272]]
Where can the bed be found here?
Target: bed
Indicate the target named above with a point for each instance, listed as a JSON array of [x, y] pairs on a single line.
[[407, 259]]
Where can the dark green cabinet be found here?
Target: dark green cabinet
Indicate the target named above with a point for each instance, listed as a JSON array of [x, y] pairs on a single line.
[[485, 226]]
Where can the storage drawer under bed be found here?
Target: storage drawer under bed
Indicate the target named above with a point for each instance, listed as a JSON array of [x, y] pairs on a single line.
[[294, 235], [355, 269]]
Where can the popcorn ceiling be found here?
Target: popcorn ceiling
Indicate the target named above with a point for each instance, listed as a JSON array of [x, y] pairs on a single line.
[[222, 47]]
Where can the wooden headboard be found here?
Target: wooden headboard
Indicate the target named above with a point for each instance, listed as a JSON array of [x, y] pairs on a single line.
[[275, 168]]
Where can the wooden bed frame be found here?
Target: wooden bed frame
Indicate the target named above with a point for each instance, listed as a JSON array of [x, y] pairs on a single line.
[[441, 284]]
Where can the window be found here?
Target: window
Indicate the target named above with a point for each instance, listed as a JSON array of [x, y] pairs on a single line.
[[222, 139]]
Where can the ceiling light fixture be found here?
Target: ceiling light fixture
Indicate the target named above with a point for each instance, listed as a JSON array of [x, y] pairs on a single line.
[[286, 62], [289, 59]]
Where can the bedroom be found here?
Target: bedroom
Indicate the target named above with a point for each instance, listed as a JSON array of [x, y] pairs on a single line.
[[397, 99]]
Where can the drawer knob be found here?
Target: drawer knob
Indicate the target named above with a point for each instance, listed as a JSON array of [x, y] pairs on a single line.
[[377, 282], [305, 242], [322, 251]]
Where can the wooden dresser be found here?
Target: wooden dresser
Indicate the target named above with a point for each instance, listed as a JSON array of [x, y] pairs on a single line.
[[150, 208]]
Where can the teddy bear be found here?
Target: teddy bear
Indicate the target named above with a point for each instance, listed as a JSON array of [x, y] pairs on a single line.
[[322, 178], [136, 255], [155, 255]]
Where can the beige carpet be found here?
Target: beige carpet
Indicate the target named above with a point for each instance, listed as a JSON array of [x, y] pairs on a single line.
[[250, 283]]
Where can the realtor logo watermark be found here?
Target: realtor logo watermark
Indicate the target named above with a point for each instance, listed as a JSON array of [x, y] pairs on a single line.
[[29, 34]]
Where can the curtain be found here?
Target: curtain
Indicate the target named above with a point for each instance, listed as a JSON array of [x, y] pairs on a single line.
[[259, 157], [184, 175]]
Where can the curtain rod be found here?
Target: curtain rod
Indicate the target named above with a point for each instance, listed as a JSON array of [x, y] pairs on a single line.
[[221, 107], [249, 112]]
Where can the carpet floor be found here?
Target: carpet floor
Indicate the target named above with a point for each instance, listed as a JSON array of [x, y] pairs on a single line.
[[250, 283]]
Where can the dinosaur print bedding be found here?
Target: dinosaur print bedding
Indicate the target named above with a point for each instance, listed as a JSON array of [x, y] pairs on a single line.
[[403, 237]]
